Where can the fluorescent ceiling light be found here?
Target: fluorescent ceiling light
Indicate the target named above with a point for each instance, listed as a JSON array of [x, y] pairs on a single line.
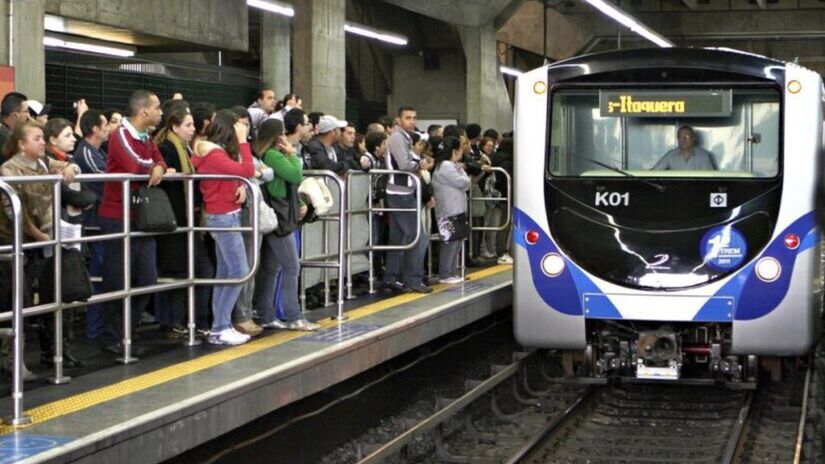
[[88, 45], [283, 9], [630, 22], [509, 71], [366, 31]]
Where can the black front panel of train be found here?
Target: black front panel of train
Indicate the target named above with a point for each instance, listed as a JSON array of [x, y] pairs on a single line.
[[632, 234]]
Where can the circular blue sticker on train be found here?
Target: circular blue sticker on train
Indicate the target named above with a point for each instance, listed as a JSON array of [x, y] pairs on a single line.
[[724, 248]]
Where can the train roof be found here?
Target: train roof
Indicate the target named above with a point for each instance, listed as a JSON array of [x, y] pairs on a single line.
[[720, 60]]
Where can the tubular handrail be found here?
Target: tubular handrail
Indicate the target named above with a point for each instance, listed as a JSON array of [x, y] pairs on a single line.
[[19, 312], [371, 248], [342, 234], [509, 200], [17, 418]]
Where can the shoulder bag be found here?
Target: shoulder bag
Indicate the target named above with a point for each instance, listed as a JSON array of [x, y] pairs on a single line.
[[153, 211]]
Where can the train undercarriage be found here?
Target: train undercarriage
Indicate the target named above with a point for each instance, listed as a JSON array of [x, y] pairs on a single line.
[[648, 350]]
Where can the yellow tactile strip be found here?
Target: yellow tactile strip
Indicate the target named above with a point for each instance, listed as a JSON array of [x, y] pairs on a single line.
[[101, 395]]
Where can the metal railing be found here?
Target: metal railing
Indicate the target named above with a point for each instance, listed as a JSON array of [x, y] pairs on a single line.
[[17, 247], [322, 261], [507, 217], [370, 211]]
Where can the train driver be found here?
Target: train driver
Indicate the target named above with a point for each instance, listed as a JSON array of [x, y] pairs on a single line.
[[687, 156]]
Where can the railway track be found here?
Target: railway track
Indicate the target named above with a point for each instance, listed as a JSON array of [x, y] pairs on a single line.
[[672, 424], [503, 419]]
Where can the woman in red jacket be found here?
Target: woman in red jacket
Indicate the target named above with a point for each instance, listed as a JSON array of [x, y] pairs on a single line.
[[225, 151]]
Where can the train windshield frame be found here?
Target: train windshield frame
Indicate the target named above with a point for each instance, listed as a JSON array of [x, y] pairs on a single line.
[[714, 131]]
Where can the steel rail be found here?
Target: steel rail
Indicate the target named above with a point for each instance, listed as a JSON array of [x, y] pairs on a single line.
[[541, 436], [739, 426], [800, 433], [399, 442]]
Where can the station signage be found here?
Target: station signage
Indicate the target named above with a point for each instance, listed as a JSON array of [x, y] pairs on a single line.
[[665, 103]]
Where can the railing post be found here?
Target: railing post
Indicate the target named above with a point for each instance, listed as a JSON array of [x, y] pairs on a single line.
[[343, 228], [191, 339], [371, 224], [17, 418], [127, 357], [325, 251], [303, 295], [348, 200], [58, 377]]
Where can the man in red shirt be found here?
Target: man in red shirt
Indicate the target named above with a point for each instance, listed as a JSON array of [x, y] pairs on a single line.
[[131, 151]]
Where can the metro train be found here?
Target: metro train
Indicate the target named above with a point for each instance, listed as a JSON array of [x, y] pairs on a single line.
[[664, 220]]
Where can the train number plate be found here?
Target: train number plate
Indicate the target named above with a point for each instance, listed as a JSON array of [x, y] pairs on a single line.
[[657, 373]]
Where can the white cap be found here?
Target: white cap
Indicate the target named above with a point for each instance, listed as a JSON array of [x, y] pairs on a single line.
[[328, 123]]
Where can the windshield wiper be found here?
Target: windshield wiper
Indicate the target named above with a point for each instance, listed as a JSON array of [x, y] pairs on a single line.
[[657, 186]]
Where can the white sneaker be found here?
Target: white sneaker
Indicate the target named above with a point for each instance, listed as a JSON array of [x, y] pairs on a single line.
[[487, 255], [302, 325], [505, 259], [451, 280], [228, 337]]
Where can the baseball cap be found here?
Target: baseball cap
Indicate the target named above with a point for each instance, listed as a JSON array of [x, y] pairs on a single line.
[[38, 109], [328, 123]]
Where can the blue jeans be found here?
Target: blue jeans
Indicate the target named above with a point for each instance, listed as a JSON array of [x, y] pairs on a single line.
[[447, 258], [144, 272], [231, 257], [405, 266], [278, 254]]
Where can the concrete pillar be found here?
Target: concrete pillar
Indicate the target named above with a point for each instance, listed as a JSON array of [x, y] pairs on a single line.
[[320, 55], [28, 53], [488, 102], [276, 40]]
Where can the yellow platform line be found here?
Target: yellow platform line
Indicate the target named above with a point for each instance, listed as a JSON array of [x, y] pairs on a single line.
[[101, 395]]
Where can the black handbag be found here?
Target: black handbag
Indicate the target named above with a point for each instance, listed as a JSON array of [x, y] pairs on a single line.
[[76, 284], [286, 209], [454, 228], [153, 211]]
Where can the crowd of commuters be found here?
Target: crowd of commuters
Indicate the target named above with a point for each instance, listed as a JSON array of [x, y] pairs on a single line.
[[271, 143]]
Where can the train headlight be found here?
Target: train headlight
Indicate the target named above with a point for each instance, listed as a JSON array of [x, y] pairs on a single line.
[[768, 269], [552, 264], [794, 87]]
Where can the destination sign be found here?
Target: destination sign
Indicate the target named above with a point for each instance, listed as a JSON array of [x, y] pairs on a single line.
[[665, 103]]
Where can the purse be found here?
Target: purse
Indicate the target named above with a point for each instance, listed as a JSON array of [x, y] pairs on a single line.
[[153, 211], [454, 228], [76, 284], [286, 210], [267, 219]]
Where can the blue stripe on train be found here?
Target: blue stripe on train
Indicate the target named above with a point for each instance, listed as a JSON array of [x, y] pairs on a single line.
[[753, 297]]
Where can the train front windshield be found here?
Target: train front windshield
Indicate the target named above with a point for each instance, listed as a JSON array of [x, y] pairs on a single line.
[[681, 133]]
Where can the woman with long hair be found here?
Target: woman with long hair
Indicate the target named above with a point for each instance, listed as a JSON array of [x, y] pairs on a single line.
[[279, 252], [173, 142], [60, 140], [450, 185], [225, 151]]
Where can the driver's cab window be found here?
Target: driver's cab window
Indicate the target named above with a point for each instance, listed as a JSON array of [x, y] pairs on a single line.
[[725, 133]]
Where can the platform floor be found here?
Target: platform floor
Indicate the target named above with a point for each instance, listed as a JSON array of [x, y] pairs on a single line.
[[162, 406]]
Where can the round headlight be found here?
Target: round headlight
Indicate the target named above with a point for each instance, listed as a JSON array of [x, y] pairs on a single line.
[[552, 264], [768, 269]]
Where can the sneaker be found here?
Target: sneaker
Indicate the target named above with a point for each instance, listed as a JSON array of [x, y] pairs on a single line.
[[505, 259], [395, 287], [228, 337], [302, 325], [420, 288], [249, 328], [451, 280], [276, 324], [487, 255], [205, 333]]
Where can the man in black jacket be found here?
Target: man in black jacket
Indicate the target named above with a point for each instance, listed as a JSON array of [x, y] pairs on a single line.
[[321, 152]]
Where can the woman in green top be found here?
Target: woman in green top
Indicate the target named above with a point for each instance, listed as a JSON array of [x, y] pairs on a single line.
[[279, 252]]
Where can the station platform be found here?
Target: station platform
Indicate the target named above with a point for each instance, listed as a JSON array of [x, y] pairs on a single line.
[[164, 405]]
